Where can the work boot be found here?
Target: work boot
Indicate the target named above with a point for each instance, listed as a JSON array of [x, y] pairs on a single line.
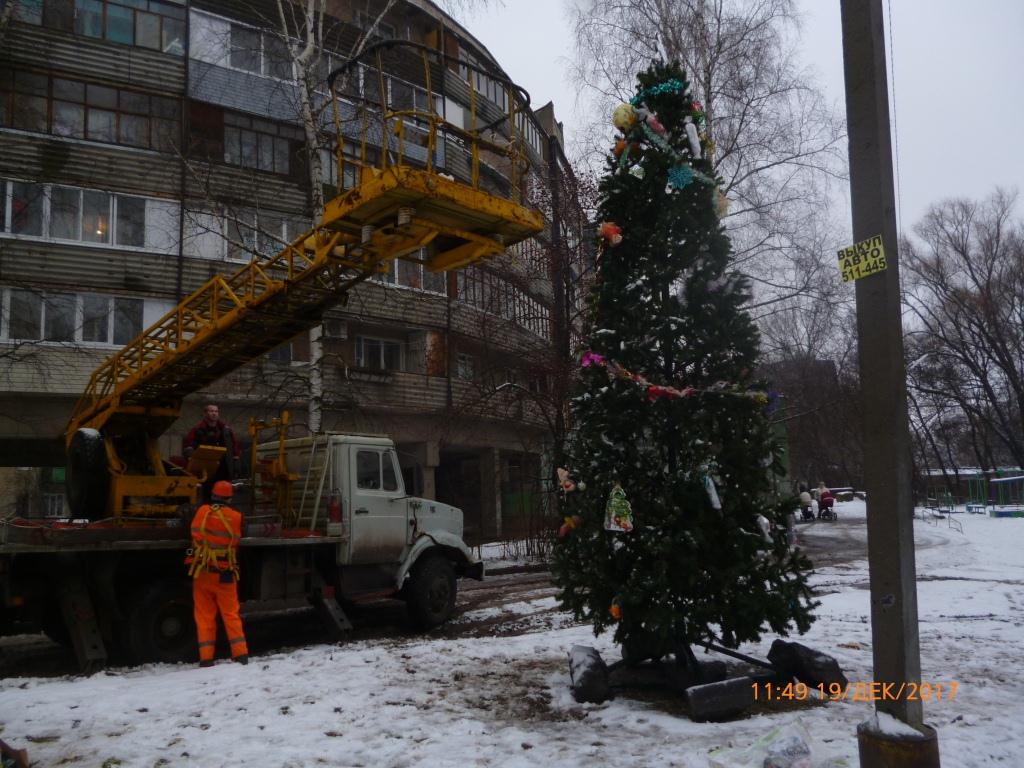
[[242, 659], [206, 663]]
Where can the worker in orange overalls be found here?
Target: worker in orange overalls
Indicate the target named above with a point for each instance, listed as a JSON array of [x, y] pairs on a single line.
[[213, 566]]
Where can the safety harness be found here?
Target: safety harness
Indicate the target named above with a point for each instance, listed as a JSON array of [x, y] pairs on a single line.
[[205, 556]]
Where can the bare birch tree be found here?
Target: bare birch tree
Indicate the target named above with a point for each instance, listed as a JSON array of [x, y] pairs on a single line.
[[777, 143]]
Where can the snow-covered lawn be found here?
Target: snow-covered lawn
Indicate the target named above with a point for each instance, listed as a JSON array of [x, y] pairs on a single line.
[[505, 701]]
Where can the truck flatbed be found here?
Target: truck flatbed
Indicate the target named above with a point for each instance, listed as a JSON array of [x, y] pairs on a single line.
[[27, 535]]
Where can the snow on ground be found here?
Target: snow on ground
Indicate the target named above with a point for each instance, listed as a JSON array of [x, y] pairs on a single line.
[[505, 701]]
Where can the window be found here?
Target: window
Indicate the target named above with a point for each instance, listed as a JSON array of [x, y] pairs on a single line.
[[95, 217], [376, 471], [262, 53], [145, 23], [260, 144], [388, 467], [29, 11], [277, 59], [492, 294], [59, 317], [329, 164], [529, 132], [464, 366], [127, 319], [26, 210], [368, 470], [413, 274], [379, 354], [245, 48], [69, 317], [131, 221], [204, 235], [66, 213], [88, 216], [281, 354], [81, 110], [249, 233], [25, 319]]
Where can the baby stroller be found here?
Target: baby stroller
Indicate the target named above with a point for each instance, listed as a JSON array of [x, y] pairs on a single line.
[[826, 507]]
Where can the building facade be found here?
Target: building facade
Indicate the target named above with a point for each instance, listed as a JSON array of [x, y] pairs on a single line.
[[149, 145]]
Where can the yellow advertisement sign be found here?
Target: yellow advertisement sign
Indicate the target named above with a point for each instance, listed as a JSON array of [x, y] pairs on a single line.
[[862, 259]]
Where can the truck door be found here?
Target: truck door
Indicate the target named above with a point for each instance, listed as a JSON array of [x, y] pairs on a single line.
[[380, 526]]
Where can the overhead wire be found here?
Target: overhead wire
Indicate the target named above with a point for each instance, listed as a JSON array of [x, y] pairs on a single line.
[[895, 124]]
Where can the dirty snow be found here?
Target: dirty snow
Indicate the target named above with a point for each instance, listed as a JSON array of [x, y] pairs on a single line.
[[505, 701]]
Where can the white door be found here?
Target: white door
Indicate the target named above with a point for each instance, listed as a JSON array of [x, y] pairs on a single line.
[[380, 526]]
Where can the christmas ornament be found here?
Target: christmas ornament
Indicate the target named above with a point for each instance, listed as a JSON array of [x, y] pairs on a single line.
[[653, 123], [571, 523], [668, 86], [621, 146], [624, 117], [611, 232], [692, 137], [618, 511], [679, 176], [615, 609], [709, 487], [615, 370], [564, 481]]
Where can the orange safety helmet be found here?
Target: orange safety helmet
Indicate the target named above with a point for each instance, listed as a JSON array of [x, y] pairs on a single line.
[[224, 489]]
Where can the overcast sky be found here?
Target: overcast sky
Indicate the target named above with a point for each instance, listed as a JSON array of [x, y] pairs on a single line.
[[958, 72]]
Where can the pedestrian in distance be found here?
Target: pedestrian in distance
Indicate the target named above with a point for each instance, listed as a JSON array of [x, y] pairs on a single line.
[[211, 430], [806, 512], [213, 566], [826, 505]]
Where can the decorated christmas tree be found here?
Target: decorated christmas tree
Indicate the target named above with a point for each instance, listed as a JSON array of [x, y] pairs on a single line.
[[670, 489]]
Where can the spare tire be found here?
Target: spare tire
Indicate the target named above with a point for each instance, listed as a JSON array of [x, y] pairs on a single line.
[[87, 475]]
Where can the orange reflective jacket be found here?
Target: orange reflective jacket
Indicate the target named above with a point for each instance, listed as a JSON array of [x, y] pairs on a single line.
[[216, 530]]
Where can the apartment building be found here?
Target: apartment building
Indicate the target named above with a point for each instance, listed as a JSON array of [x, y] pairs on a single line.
[[148, 145]]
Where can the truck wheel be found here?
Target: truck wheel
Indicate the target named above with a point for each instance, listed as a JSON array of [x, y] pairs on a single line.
[[161, 626], [430, 593], [87, 476]]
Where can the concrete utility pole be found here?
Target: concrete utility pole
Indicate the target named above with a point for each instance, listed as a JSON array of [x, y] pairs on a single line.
[[887, 468]]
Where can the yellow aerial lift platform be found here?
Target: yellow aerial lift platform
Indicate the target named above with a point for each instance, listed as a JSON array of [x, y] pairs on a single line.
[[398, 209]]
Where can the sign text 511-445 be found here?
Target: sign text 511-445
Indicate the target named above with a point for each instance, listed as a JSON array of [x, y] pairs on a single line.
[[862, 259]]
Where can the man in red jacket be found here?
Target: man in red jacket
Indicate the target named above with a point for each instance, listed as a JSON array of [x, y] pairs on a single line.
[[213, 566], [212, 431]]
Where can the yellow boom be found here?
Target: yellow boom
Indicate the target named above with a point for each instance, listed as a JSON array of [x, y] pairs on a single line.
[[393, 212]]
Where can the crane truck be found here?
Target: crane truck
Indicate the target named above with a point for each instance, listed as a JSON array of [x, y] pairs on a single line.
[[331, 521]]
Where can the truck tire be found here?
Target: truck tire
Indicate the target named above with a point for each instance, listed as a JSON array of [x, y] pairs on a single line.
[[87, 476], [430, 593], [161, 625]]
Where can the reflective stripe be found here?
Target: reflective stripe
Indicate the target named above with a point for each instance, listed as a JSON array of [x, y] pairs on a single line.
[[207, 642], [236, 640]]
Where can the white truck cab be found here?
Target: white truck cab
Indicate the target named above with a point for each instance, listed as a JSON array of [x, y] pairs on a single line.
[[350, 488]]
